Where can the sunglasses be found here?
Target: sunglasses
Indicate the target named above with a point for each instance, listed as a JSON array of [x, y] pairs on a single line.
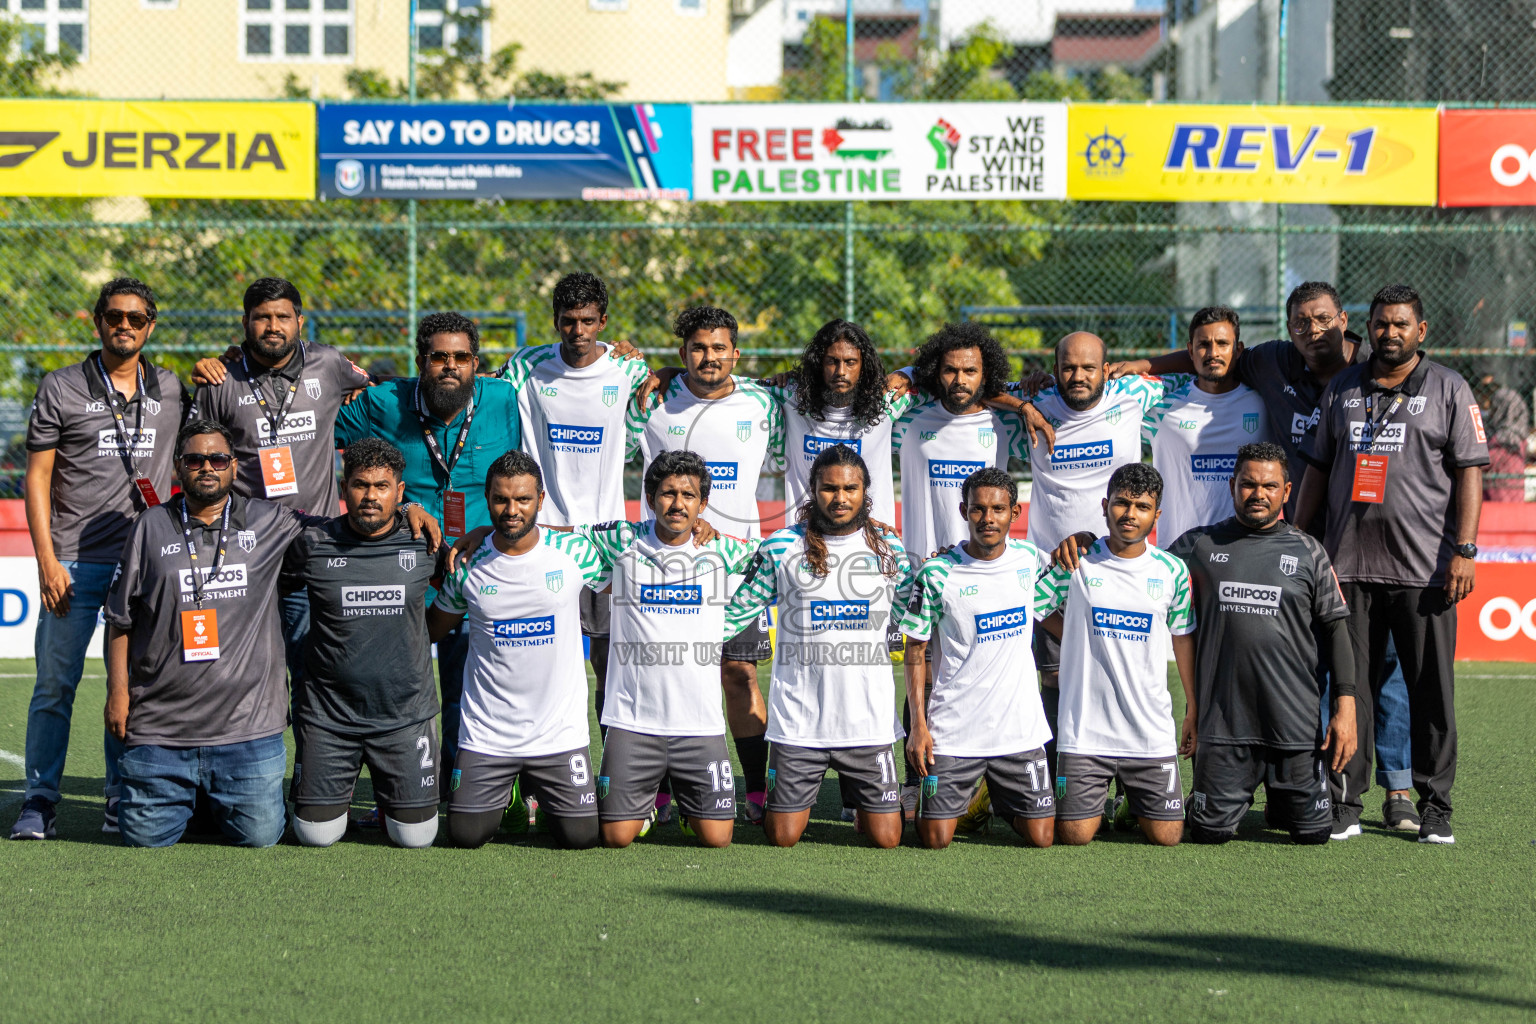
[[218, 461], [445, 358], [133, 318]]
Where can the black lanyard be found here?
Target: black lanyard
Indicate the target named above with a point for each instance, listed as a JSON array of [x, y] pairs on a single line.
[[125, 442], [431, 439], [274, 421], [218, 560]]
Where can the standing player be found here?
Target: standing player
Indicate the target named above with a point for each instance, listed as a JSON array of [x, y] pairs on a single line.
[[279, 398], [1117, 613], [1263, 590], [99, 452], [572, 398], [525, 686], [368, 696], [734, 424], [1195, 431], [979, 597], [662, 714], [832, 705]]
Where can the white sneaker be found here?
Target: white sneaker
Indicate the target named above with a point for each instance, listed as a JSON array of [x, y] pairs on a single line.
[[1347, 832]]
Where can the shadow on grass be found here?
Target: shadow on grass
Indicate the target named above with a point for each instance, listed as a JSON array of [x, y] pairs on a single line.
[[982, 938]]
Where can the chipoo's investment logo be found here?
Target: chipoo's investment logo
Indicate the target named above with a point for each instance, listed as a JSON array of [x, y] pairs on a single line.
[[1105, 155]]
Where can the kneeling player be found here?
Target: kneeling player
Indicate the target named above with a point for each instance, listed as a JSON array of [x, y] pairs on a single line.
[[1116, 614], [368, 696], [525, 682], [832, 705], [980, 719], [662, 711]]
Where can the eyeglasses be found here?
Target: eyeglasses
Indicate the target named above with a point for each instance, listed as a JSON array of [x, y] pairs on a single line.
[[1317, 323], [444, 358], [133, 318], [218, 461]]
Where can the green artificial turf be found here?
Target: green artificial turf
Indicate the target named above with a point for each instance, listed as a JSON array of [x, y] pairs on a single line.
[[1379, 928]]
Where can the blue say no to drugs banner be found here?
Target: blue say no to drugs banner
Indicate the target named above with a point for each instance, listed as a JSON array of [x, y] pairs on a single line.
[[510, 151]]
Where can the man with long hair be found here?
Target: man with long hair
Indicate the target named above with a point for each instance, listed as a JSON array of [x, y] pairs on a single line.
[[832, 706]]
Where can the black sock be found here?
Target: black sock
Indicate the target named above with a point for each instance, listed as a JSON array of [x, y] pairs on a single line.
[[753, 751], [1050, 698]]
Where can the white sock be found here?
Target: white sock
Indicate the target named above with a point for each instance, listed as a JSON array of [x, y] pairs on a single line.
[[319, 833], [414, 835]]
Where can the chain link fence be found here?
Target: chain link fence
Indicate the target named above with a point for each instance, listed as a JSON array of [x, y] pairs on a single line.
[[1131, 271]]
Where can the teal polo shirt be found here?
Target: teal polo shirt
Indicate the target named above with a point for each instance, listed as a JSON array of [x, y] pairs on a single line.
[[389, 411]]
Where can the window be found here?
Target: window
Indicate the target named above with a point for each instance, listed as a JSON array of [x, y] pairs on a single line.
[[296, 30], [55, 24], [691, 8], [440, 24]]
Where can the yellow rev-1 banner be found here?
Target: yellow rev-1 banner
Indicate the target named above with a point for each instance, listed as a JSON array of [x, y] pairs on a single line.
[[157, 148], [1275, 154]]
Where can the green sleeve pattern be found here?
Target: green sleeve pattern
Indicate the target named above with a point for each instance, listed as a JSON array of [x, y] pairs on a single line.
[[735, 552], [759, 589], [1148, 391], [922, 605], [1181, 610], [1175, 386], [608, 540], [450, 596], [1051, 590]]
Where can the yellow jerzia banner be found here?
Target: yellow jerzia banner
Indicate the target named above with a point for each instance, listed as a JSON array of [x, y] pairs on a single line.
[[157, 148], [1275, 154]]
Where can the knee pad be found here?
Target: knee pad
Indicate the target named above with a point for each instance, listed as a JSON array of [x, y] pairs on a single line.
[[1207, 836], [413, 835], [1310, 838], [319, 833]]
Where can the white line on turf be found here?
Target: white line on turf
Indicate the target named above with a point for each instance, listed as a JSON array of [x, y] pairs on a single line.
[[15, 759]]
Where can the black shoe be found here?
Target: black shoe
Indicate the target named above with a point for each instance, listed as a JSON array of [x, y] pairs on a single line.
[[1346, 824], [1397, 813], [1436, 827]]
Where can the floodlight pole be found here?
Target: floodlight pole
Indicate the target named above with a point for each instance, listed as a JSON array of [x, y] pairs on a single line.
[[1282, 93], [848, 95], [410, 205]]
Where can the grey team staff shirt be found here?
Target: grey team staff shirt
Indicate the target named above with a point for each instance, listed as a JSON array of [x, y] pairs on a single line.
[[243, 695], [1290, 392], [1257, 596], [94, 498], [368, 665], [324, 377], [1409, 538]]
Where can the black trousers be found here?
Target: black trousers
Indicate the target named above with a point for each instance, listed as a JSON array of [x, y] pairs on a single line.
[[1422, 623]]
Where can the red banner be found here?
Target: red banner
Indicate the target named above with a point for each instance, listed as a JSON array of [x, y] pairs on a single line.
[[1486, 157], [1498, 622]]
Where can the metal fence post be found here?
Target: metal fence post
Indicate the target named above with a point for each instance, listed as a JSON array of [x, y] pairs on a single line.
[[412, 297], [1282, 93], [848, 95]]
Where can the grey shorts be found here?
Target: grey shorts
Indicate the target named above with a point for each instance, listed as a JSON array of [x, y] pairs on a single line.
[[866, 775], [1047, 651], [1019, 785], [596, 610], [634, 764], [402, 764], [751, 644], [561, 782], [1226, 776], [1153, 786]]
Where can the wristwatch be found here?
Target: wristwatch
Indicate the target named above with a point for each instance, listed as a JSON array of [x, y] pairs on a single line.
[[1467, 550]]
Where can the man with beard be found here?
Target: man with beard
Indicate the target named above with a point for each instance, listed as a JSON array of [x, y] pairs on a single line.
[[1263, 592], [194, 653], [450, 425], [525, 689], [735, 425], [99, 452], [279, 397], [1395, 465], [368, 696], [831, 705]]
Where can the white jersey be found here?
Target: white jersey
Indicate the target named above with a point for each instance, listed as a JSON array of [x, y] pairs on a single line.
[[1120, 614], [832, 683], [736, 435], [668, 615], [938, 451], [1195, 437], [806, 437], [1070, 480], [573, 426], [525, 683], [984, 702]]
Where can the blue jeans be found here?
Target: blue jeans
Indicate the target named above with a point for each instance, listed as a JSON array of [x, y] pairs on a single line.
[[243, 781], [1394, 753], [60, 651], [294, 609]]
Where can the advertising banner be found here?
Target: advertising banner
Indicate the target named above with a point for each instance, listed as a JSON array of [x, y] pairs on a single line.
[[487, 150], [840, 151], [1275, 154], [1498, 621], [1486, 157], [20, 605], [157, 149]]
